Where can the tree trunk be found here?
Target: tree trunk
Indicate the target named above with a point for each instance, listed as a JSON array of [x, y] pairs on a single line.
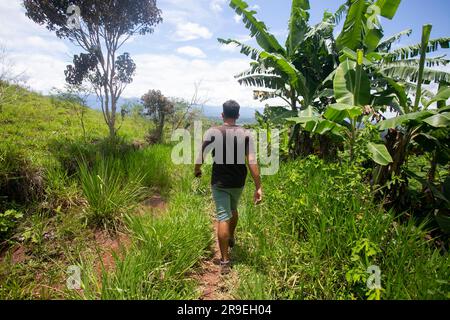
[[328, 148], [397, 144], [160, 129]]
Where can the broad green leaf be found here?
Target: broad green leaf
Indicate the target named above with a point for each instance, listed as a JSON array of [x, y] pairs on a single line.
[[257, 28], [440, 120], [298, 25], [387, 43], [399, 91], [372, 39], [345, 85], [388, 7], [338, 112], [296, 79], [400, 120], [412, 51], [442, 95], [352, 32], [325, 126], [379, 154]]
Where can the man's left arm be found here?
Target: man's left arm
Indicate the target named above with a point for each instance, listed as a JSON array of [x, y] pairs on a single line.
[[200, 157]]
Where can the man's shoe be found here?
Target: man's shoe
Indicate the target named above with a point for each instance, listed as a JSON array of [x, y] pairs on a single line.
[[225, 267]]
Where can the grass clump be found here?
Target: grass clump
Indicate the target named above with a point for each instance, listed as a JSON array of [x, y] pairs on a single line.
[[109, 191]]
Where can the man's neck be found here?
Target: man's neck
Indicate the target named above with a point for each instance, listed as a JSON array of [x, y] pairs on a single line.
[[229, 122]]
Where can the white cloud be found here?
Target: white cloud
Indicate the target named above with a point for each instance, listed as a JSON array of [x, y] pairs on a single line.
[[43, 72], [237, 18], [191, 31], [217, 5], [175, 76], [190, 51], [232, 48], [32, 49]]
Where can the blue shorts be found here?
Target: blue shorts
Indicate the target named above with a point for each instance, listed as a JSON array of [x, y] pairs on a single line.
[[226, 200]]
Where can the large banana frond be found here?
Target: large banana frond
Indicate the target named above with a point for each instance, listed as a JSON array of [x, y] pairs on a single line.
[[385, 45], [325, 28], [263, 81], [409, 73], [249, 51], [298, 25], [353, 31], [257, 28], [429, 62], [337, 17], [257, 68], [414, 50], [296, 79], [412, 87]]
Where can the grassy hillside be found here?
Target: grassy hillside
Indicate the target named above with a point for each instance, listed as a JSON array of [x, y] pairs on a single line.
[[35, 124]]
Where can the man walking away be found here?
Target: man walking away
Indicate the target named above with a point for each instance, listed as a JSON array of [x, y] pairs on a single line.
[[232, 150]]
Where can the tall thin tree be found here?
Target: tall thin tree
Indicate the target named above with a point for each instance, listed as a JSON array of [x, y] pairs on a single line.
[[100, 28]]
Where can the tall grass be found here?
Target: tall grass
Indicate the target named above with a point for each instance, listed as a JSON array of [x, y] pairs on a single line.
[[108, 190], [154, 164], [164, 252], [319, 231], [113, 185]]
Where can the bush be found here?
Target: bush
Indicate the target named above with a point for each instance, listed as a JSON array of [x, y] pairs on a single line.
[[154, 163]]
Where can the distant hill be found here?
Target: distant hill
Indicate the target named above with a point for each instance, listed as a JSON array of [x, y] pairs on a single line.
[[211, 112], [214, 112]]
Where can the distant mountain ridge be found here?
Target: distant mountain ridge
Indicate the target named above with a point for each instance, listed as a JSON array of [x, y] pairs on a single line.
[[212, 112]]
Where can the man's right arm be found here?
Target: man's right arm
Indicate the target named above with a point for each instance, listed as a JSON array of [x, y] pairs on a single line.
[[254, 170]]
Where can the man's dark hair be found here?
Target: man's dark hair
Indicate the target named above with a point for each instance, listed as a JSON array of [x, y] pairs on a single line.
[[231, 109]]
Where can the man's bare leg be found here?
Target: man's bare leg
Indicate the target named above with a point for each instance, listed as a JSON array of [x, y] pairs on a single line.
[[233, 223], [223, 233]]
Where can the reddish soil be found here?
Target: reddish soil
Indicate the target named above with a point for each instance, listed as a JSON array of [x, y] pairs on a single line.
[[110, 245], [18, 255], [155, 202]]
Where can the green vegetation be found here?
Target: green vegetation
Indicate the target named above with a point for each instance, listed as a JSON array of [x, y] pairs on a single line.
[[355, 194], [325, 231]]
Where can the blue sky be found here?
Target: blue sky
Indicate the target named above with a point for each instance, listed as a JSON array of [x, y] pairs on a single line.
[[184, 50]]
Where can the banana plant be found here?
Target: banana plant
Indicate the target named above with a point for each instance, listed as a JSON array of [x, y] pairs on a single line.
[[419, 126], [294, 72], [343, 119]]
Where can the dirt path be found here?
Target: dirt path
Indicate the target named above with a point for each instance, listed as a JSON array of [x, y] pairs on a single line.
[[214, 286]]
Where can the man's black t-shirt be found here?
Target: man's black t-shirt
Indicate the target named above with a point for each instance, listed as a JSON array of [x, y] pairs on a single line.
[[229, 146]]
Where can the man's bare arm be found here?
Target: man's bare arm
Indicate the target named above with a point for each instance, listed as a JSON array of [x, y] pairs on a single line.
[[254, 170], [199, 161]]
